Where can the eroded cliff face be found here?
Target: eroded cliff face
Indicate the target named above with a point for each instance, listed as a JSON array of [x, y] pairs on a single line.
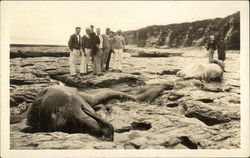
[[188, 34]]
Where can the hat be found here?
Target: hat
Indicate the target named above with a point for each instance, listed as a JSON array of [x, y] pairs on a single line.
[[88, 28], [119, 31]]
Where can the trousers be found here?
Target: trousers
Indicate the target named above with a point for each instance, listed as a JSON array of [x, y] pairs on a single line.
[[210, 55], [104, 58], [117, 59], [97, 61], [73, 58], [85, 60], [108, 60]]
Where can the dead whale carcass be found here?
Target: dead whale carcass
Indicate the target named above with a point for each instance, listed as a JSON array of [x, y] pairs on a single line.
[[208, 72], [60, 108]]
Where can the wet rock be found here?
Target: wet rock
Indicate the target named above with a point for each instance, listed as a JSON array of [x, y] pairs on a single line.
[[221, 137], [213, 88], [24, 65], [135, 73], [13, 103], [19, 96], [167, 123], [234, 101], [169, 72], [182, 142], [123, 129], [19, 109], [172, 104], [171, 143], [131, 146], [18, 118], [180, 84], [91, 81], [205, 100], [146, 53], [175, 96], [25, 51], [210, 115], [138, 143], [180, 146], [27, 82], [188, 142], [141, 125], [32, 145]]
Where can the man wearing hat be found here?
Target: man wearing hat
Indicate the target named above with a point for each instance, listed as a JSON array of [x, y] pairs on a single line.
[[74, 44], [211, 47], [118, 45]]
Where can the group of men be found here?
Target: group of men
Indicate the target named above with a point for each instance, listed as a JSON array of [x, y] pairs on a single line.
[[95, 47]]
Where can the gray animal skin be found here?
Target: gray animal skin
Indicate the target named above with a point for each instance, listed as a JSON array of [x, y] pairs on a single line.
[[60, 108]]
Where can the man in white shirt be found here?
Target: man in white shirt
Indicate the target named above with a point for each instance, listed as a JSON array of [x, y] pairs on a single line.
[[118, 45]]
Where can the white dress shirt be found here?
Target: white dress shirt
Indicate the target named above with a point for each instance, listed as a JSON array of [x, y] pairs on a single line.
[[101, 41]]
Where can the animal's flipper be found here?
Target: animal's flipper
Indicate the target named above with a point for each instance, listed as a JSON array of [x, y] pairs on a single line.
[[103, 95], [153, 92]]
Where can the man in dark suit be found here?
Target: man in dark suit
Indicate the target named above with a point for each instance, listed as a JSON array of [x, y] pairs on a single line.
[[75, 50], [86, 48], [111, 50], [90, 43]]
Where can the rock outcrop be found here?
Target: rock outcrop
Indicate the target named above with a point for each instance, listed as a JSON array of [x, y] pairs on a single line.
[[188, 34], [26, 51], [184, 114]]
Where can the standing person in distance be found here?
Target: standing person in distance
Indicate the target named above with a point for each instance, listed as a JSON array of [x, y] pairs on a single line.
[[221, 48], [211, 47]]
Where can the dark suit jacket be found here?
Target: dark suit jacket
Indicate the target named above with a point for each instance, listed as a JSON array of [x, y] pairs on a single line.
[[91, 43], [74, 43], [212, 44], [86, 42]]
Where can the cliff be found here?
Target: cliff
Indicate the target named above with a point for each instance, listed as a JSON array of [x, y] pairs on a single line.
[[188, 34]]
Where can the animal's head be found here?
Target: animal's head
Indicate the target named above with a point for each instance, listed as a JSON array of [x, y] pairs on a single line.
[[108, 132], [98, 126], [221, 64]]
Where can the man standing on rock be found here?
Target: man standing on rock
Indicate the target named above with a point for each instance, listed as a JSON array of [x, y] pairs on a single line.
[[211, 47], [74, 47], [119, 45]]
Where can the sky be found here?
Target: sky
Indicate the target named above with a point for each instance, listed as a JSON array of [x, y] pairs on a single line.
[[52, 22]]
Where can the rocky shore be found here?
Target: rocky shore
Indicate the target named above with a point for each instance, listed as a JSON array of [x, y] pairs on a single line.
[[193, 115]]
